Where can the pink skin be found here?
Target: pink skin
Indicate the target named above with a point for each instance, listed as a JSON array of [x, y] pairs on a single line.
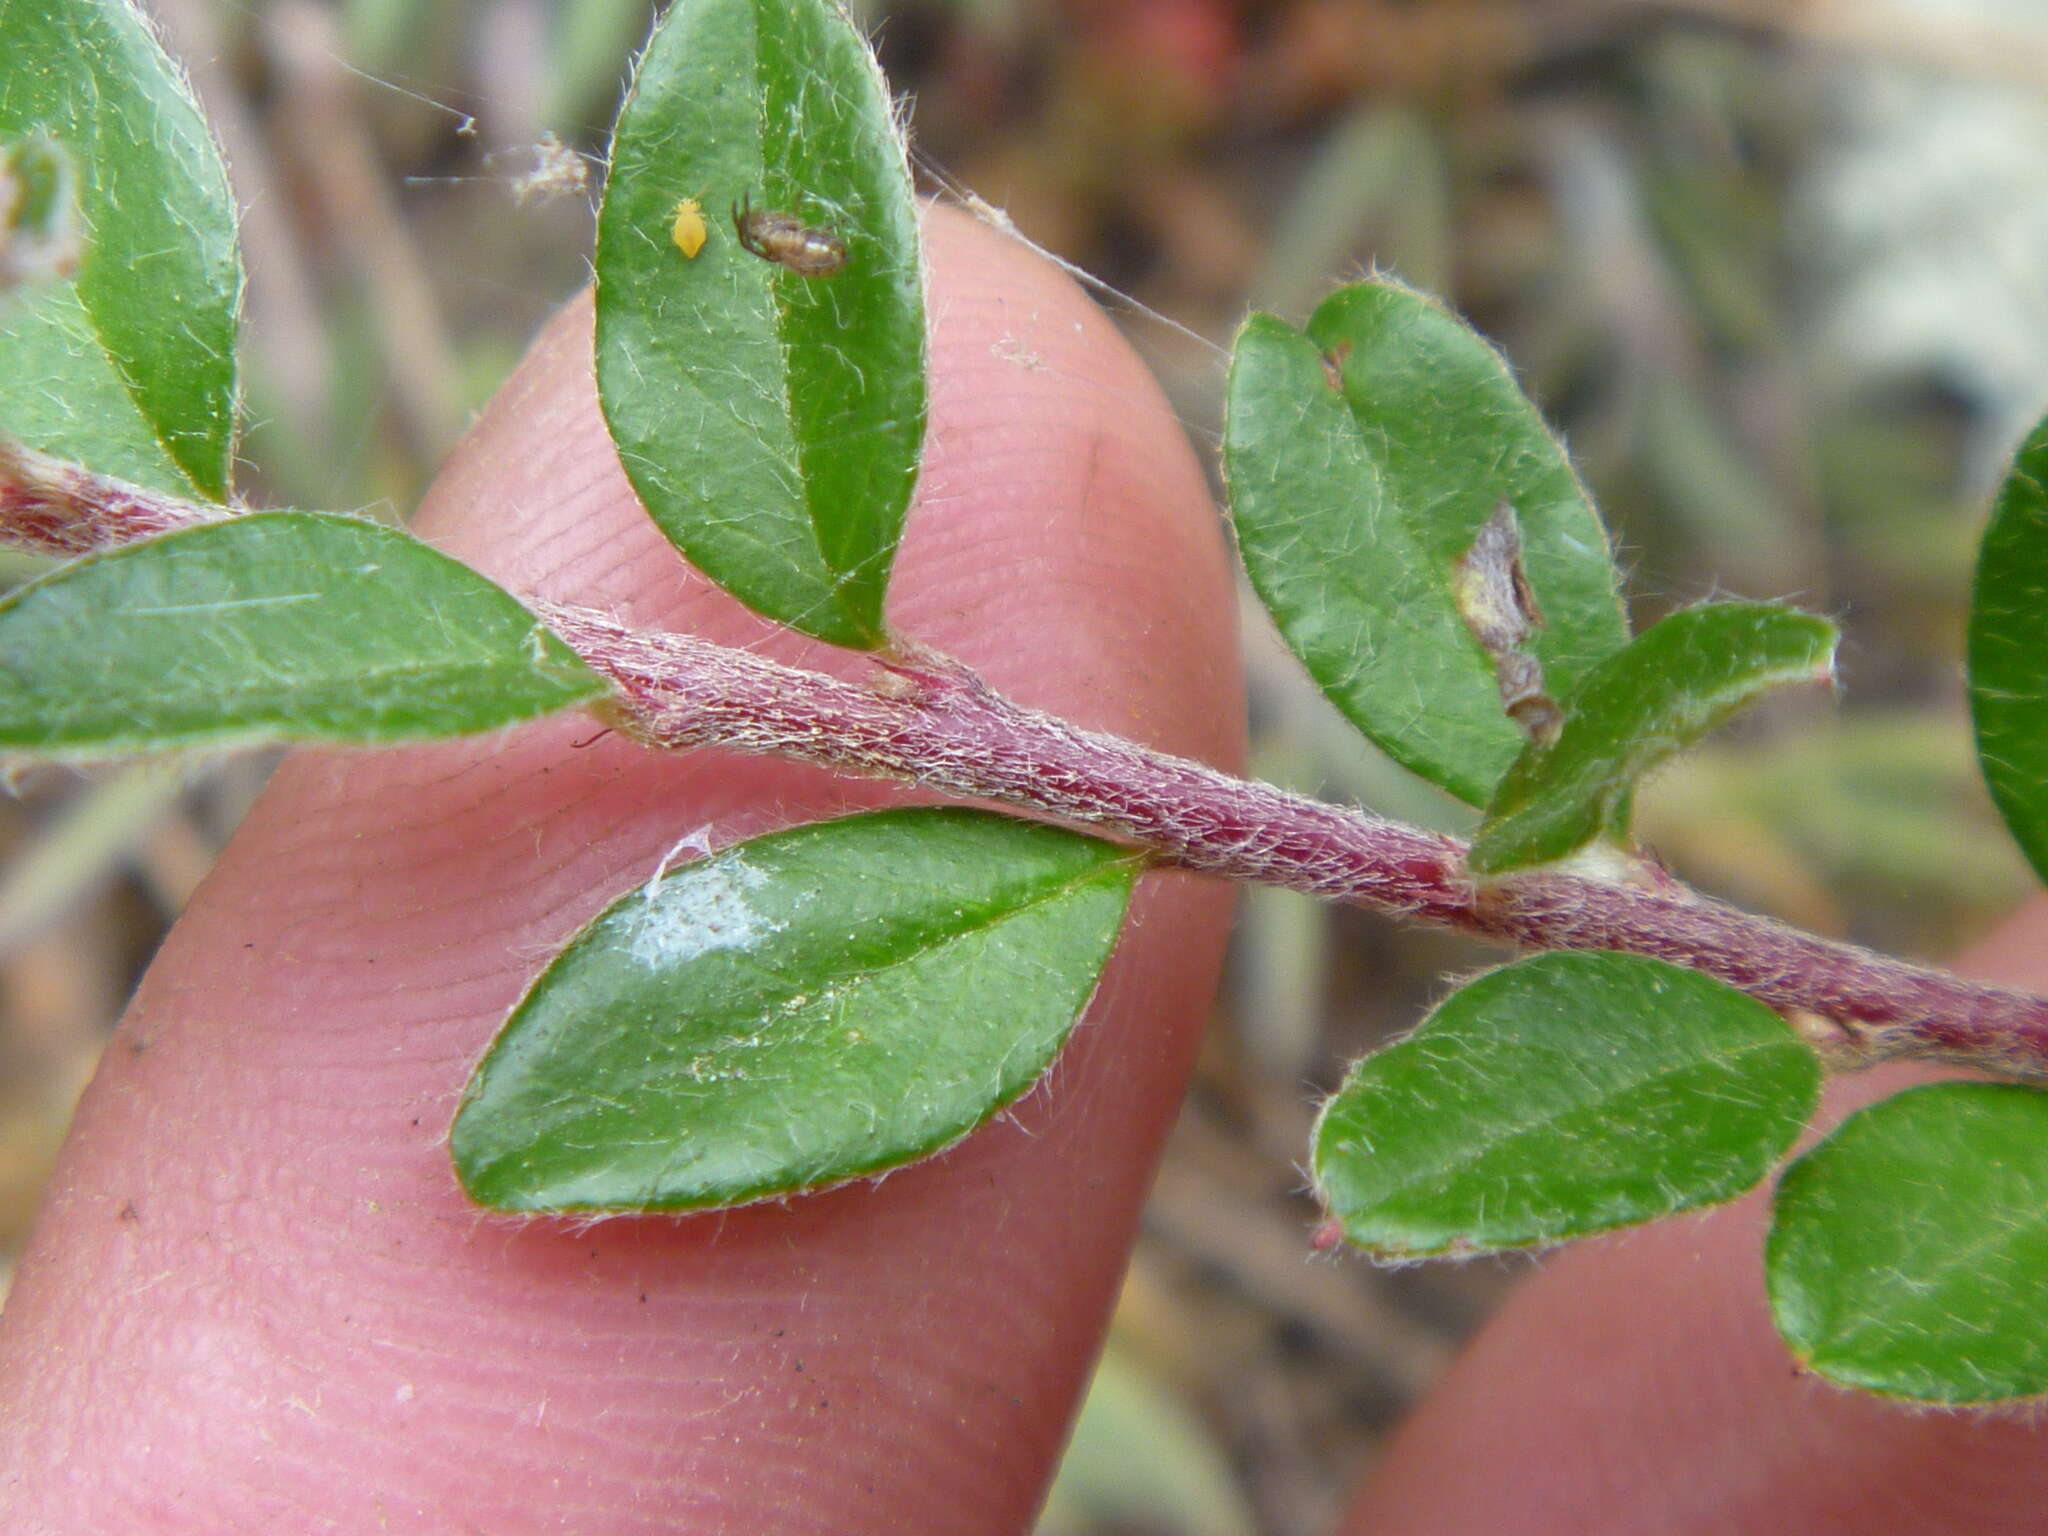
[[257, 1302]]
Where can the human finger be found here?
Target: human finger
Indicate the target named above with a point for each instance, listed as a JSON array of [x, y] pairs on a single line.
[[257, 1300]]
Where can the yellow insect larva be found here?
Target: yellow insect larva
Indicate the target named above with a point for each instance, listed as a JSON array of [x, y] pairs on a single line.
[[688, 231]]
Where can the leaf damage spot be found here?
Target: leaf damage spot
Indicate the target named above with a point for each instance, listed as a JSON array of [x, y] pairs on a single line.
[[1333, 366], [1499, 606], [705, 907]]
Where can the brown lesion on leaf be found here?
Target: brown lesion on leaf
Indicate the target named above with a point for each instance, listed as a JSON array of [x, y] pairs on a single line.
[[1499, 606], [40, 231], [1333, 365]]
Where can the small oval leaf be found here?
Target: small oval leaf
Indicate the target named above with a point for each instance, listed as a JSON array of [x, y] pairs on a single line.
[[798, 1010], [1559, 1096], [1675, 682], [2008, 651], [129, 367], [1362, 458], [275, 626], [1908, 1252], [769, 416]]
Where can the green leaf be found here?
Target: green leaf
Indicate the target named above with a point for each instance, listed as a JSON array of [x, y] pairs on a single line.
[[771, 422], [130, 368], [1675, 682], [1362, 457], [1908, 1252], [276, 626], [2008, 651], [801, 1009], [1563, 1095]]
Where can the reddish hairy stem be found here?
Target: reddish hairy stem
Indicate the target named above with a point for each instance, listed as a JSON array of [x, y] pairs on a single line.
[[929, 721], [58, 508]]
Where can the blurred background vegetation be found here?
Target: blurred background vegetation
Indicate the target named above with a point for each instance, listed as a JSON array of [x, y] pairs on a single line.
[[1777, 268]]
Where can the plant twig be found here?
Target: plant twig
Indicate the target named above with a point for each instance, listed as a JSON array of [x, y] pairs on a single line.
[[929, 721], [55, 507]]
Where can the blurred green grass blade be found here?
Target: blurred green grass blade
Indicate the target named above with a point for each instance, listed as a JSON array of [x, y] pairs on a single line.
[[386, 37], [1698, 470], [771, 422], [130, 366], [1138, 1460], [1377, 188], [1362, 458], [1563, 1095], [2008, 650], [276, 626], [586, 41], [798, 1010], [1908, 1252], [1674, 683], [76, 853]]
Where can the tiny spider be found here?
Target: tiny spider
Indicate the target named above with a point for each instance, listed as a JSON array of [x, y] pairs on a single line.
[[787, 241]]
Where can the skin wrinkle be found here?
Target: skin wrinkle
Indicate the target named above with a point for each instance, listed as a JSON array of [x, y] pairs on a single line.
[[587, 878], [230, 1139]]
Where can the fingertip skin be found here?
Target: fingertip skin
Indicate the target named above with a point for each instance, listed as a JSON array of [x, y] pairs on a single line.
[[256, 1299]]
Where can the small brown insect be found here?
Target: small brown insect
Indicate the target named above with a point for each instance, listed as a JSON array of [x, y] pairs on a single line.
[[787, 241]]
